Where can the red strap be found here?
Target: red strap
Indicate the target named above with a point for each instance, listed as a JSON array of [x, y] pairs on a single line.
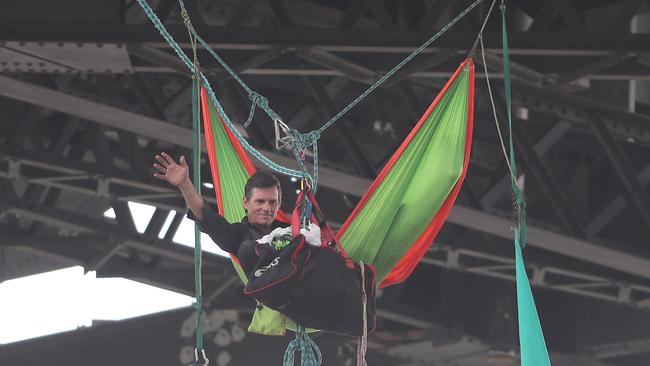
[[295, 217], [327, 234], [325, 230]]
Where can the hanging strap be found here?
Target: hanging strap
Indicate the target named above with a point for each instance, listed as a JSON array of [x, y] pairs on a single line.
[[362, 342], [197, 233], [199, 351], [518, 199], [296, 216], [532, 345]]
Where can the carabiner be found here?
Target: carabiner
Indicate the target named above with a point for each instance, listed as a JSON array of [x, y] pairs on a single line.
[[196, 357]]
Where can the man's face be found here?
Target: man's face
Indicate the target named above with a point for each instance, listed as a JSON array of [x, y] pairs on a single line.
[[263, 205]]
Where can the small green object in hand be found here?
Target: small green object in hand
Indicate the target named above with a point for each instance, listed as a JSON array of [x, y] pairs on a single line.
[[281, 241]]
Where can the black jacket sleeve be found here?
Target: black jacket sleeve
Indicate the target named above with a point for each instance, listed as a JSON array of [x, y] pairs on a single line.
[[226, 235]]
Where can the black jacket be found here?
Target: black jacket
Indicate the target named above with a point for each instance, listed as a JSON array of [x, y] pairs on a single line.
[[326, 295], [236, 238]]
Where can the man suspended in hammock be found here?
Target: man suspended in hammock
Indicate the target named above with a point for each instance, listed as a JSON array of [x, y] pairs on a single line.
[[328, 292], [262, 198]]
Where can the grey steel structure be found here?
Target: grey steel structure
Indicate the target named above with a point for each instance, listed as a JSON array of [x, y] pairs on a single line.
[[89, 92]]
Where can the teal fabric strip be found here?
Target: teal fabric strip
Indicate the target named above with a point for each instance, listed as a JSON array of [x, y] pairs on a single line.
[[520, 204], [531, 338]]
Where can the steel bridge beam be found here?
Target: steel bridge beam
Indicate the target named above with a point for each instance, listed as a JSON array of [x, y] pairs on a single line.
[[466, 217], [354, 40]]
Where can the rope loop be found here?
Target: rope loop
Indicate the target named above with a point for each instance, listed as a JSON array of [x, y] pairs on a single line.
[[310, 355]]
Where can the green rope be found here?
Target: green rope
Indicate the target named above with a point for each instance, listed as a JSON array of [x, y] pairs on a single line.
[[273, 115], [197, 233], [309, 353], [399, 66], [518, 199], [300, 141], [204, 81]]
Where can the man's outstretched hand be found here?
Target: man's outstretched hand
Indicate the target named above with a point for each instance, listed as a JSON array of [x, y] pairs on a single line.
[[169, 170]]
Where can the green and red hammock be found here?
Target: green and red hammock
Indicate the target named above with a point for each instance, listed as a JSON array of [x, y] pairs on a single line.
[[401, 213], [399, 216]]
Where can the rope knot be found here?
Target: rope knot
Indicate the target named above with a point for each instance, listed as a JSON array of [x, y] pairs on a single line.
[[302, 141], [186, 17], [258, 99], [314, 135]]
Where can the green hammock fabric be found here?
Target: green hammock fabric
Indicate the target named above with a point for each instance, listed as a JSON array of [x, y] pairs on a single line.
[[415, 183], [230, 168]]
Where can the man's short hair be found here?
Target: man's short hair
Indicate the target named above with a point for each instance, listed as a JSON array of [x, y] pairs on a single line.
[[262, 179]]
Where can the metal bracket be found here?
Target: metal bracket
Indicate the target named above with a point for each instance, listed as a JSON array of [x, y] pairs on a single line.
[[281, 140]]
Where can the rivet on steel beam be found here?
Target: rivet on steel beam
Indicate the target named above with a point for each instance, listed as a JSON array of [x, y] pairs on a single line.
[[539, 276], [14, 169], [453, 256], [624, 293], [103, 187]]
